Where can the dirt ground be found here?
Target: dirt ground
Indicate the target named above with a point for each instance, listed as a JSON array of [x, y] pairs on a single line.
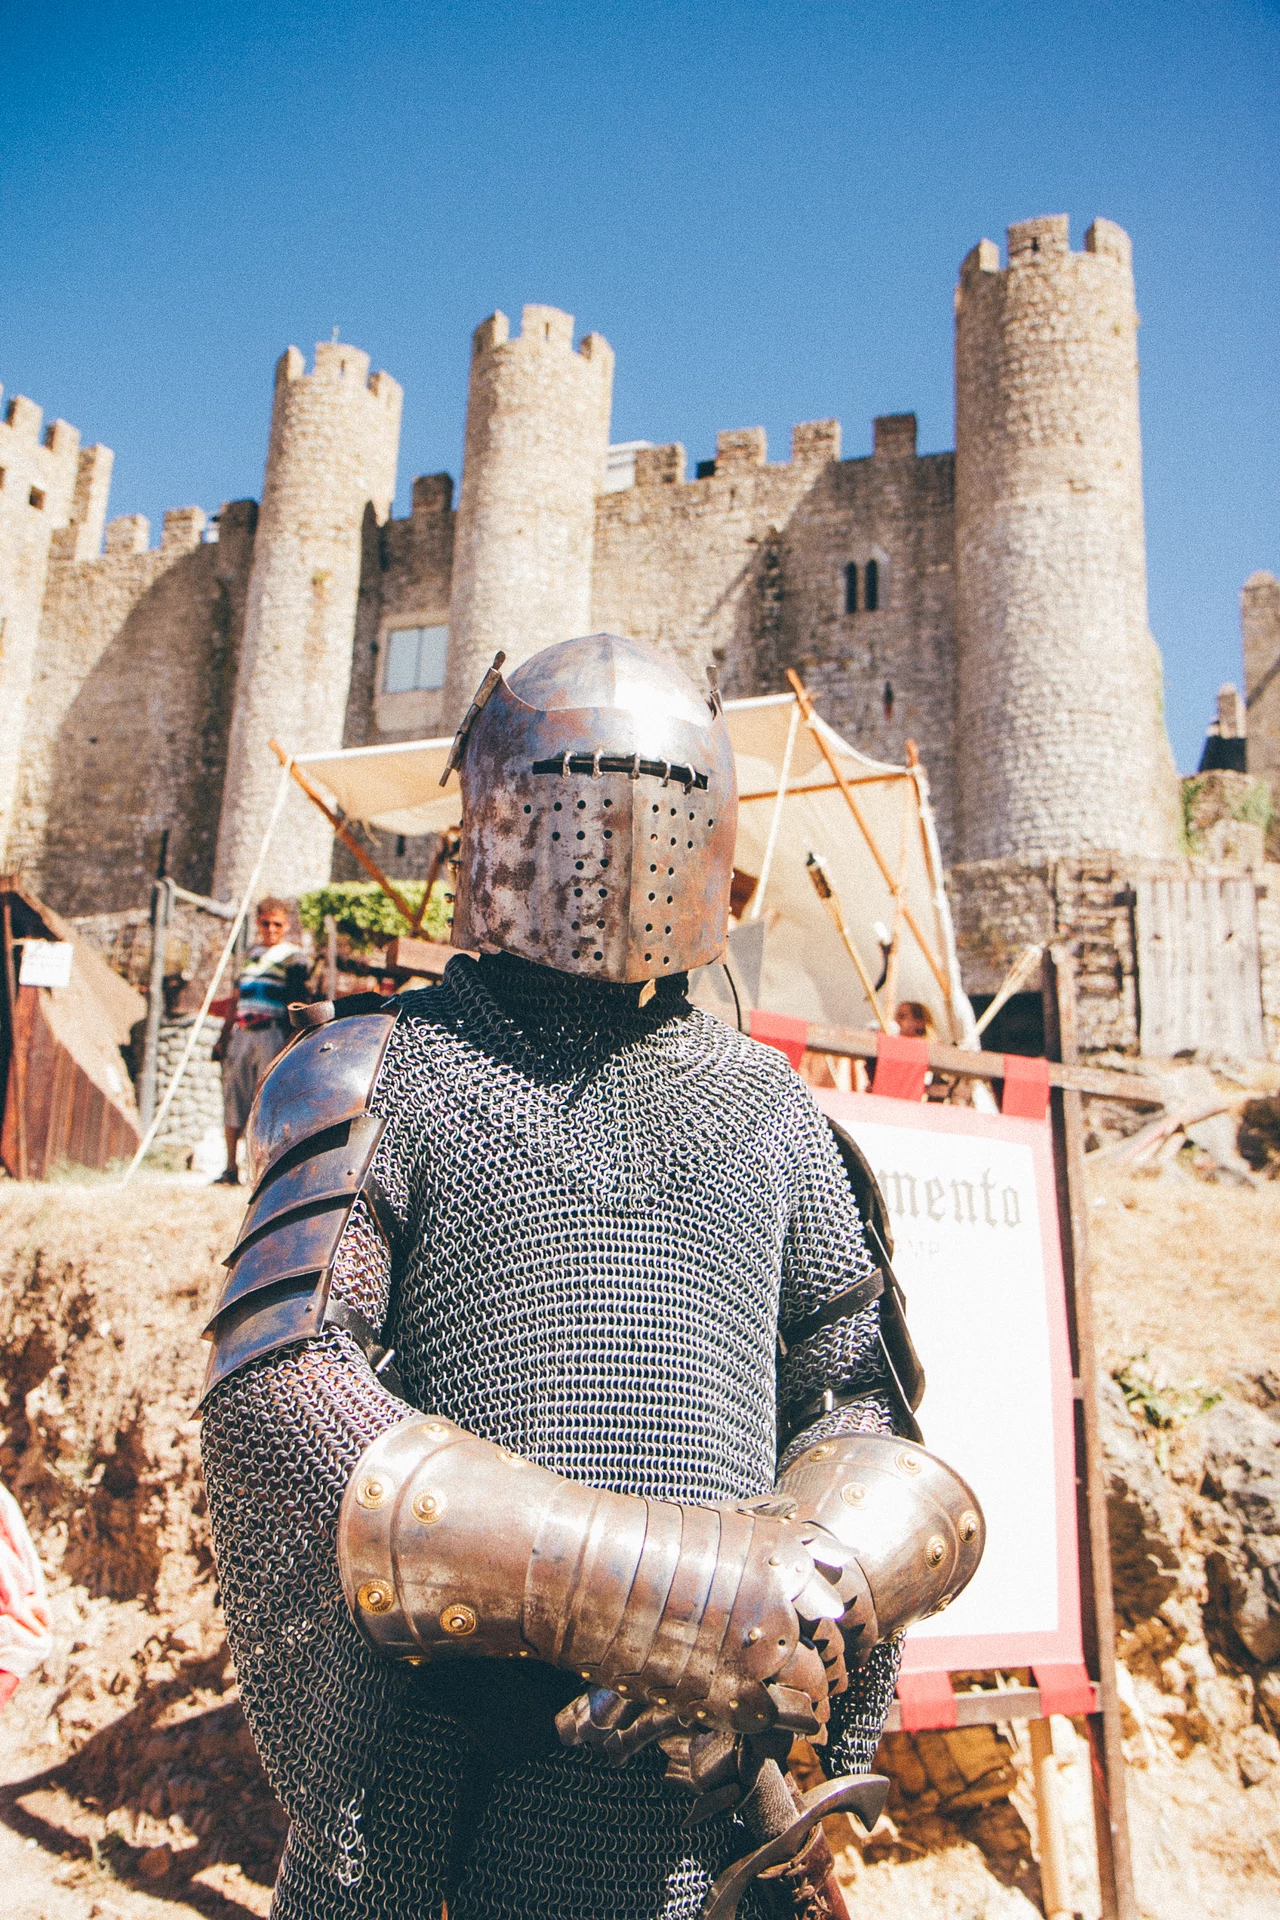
[[128, 1786]]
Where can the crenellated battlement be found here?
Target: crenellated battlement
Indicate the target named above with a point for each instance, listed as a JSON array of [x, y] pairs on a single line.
[[542, 330], [1043, 243], [338, 365]]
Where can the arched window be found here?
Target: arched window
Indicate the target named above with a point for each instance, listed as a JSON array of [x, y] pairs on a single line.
[[871, 595], [851, 587]]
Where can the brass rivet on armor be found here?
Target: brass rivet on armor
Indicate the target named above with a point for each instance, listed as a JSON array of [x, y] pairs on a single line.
[[774, 1560], [700, 1713], [585, 1672], [458, 1620], [967, 1526], [734, 1705], [754, 1634], [823, 1452], [853, 1493], [429, 1507], [935, 1550], [415, 1659], [659, 1699], [909, 1462], [375, 1596], [435, 1428], [373, 1491], [522, 1653], [512, 1459]]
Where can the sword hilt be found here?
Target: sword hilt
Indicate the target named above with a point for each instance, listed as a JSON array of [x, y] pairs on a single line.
[[784, 1820]]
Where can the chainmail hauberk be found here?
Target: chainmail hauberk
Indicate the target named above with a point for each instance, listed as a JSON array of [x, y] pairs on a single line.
[[606, 1213]]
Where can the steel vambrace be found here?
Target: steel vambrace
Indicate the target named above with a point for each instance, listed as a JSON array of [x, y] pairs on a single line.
[[449, 1545]]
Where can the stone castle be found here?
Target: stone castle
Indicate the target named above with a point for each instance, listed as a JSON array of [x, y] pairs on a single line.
[[989, 603]]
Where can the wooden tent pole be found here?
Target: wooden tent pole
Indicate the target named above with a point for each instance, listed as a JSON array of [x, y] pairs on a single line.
[[344, 834], [810, 720]]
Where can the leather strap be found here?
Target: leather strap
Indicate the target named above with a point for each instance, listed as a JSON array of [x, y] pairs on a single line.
[[844, 1306]]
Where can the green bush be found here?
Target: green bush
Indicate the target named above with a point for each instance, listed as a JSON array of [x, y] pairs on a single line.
[[367, 917]]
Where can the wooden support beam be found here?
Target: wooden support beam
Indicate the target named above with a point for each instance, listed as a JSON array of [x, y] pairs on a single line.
[[346, 836], [819, 739], [859, 1043]]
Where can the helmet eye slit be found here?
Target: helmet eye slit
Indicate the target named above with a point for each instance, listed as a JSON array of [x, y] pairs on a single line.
[[632, 764]]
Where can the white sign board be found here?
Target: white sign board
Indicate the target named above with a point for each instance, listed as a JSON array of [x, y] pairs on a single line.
[[46, 963], [972, 1205]]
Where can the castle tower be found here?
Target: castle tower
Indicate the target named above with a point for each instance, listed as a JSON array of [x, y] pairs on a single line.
[[1059, 727], [1260, 631], [537, 440], [331, 471], [51, 489]]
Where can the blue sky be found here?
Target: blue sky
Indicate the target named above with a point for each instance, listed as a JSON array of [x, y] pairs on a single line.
[[761, 206]]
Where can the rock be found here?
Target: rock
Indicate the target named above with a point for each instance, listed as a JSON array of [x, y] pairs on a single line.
[[1242, 1488], [155, 1863], [1257, 1755], [1144, 1520], [1269, 1698]]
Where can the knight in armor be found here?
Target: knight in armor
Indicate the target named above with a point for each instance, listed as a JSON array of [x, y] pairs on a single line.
[[558, 1430]]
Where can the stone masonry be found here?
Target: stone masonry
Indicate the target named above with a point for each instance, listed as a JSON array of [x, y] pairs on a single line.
[[331, 476], [1058, 680], [537, 436], [49, 488], [1260, 624], [989, 604]]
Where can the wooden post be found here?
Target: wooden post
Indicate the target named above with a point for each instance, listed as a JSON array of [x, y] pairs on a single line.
[[161, 901], [1055, 1883], [17, 1047], [1111, 1823], [330, 957]]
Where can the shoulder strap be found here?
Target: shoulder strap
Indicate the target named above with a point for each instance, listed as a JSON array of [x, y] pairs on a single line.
[[905, 1370]]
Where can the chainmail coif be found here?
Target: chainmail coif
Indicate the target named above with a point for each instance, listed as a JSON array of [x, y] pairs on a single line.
[[606, 1211]]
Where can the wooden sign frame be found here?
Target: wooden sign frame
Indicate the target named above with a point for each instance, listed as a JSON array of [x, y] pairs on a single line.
[[926, 1699]]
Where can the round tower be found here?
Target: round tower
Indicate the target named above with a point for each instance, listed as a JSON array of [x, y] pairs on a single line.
[[1060, 730], [331, 474], [537, 439]]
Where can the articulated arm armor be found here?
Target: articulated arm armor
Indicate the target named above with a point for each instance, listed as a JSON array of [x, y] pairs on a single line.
[[707, 1615], [310, 1144]]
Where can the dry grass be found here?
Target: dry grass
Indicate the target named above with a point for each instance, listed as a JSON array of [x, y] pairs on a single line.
[[1188, 1270]]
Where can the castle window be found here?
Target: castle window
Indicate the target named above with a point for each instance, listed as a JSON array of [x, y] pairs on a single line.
[[36, 497], [871, 595], [415, 659], [851, 587], [704, 470]]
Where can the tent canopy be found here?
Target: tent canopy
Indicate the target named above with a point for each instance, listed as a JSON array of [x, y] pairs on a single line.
[[882, 861]]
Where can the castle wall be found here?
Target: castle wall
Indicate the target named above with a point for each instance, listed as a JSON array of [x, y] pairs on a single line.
[[1260, 626], [745, 569], [406, 583], [330, 480], [130, 701], [1058, 688], [537, 438], [48, 484]]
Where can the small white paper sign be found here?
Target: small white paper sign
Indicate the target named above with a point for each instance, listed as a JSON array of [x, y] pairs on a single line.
[[46, 963]]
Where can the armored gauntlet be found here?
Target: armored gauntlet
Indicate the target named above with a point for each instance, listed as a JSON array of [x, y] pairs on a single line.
[[912, 1529], [450, 1545]]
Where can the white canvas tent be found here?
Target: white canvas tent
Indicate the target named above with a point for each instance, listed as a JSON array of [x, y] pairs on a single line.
[[802, 790]]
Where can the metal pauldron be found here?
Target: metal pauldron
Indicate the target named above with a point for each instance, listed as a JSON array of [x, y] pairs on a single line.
[[449, 1545], [310, 1143]]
